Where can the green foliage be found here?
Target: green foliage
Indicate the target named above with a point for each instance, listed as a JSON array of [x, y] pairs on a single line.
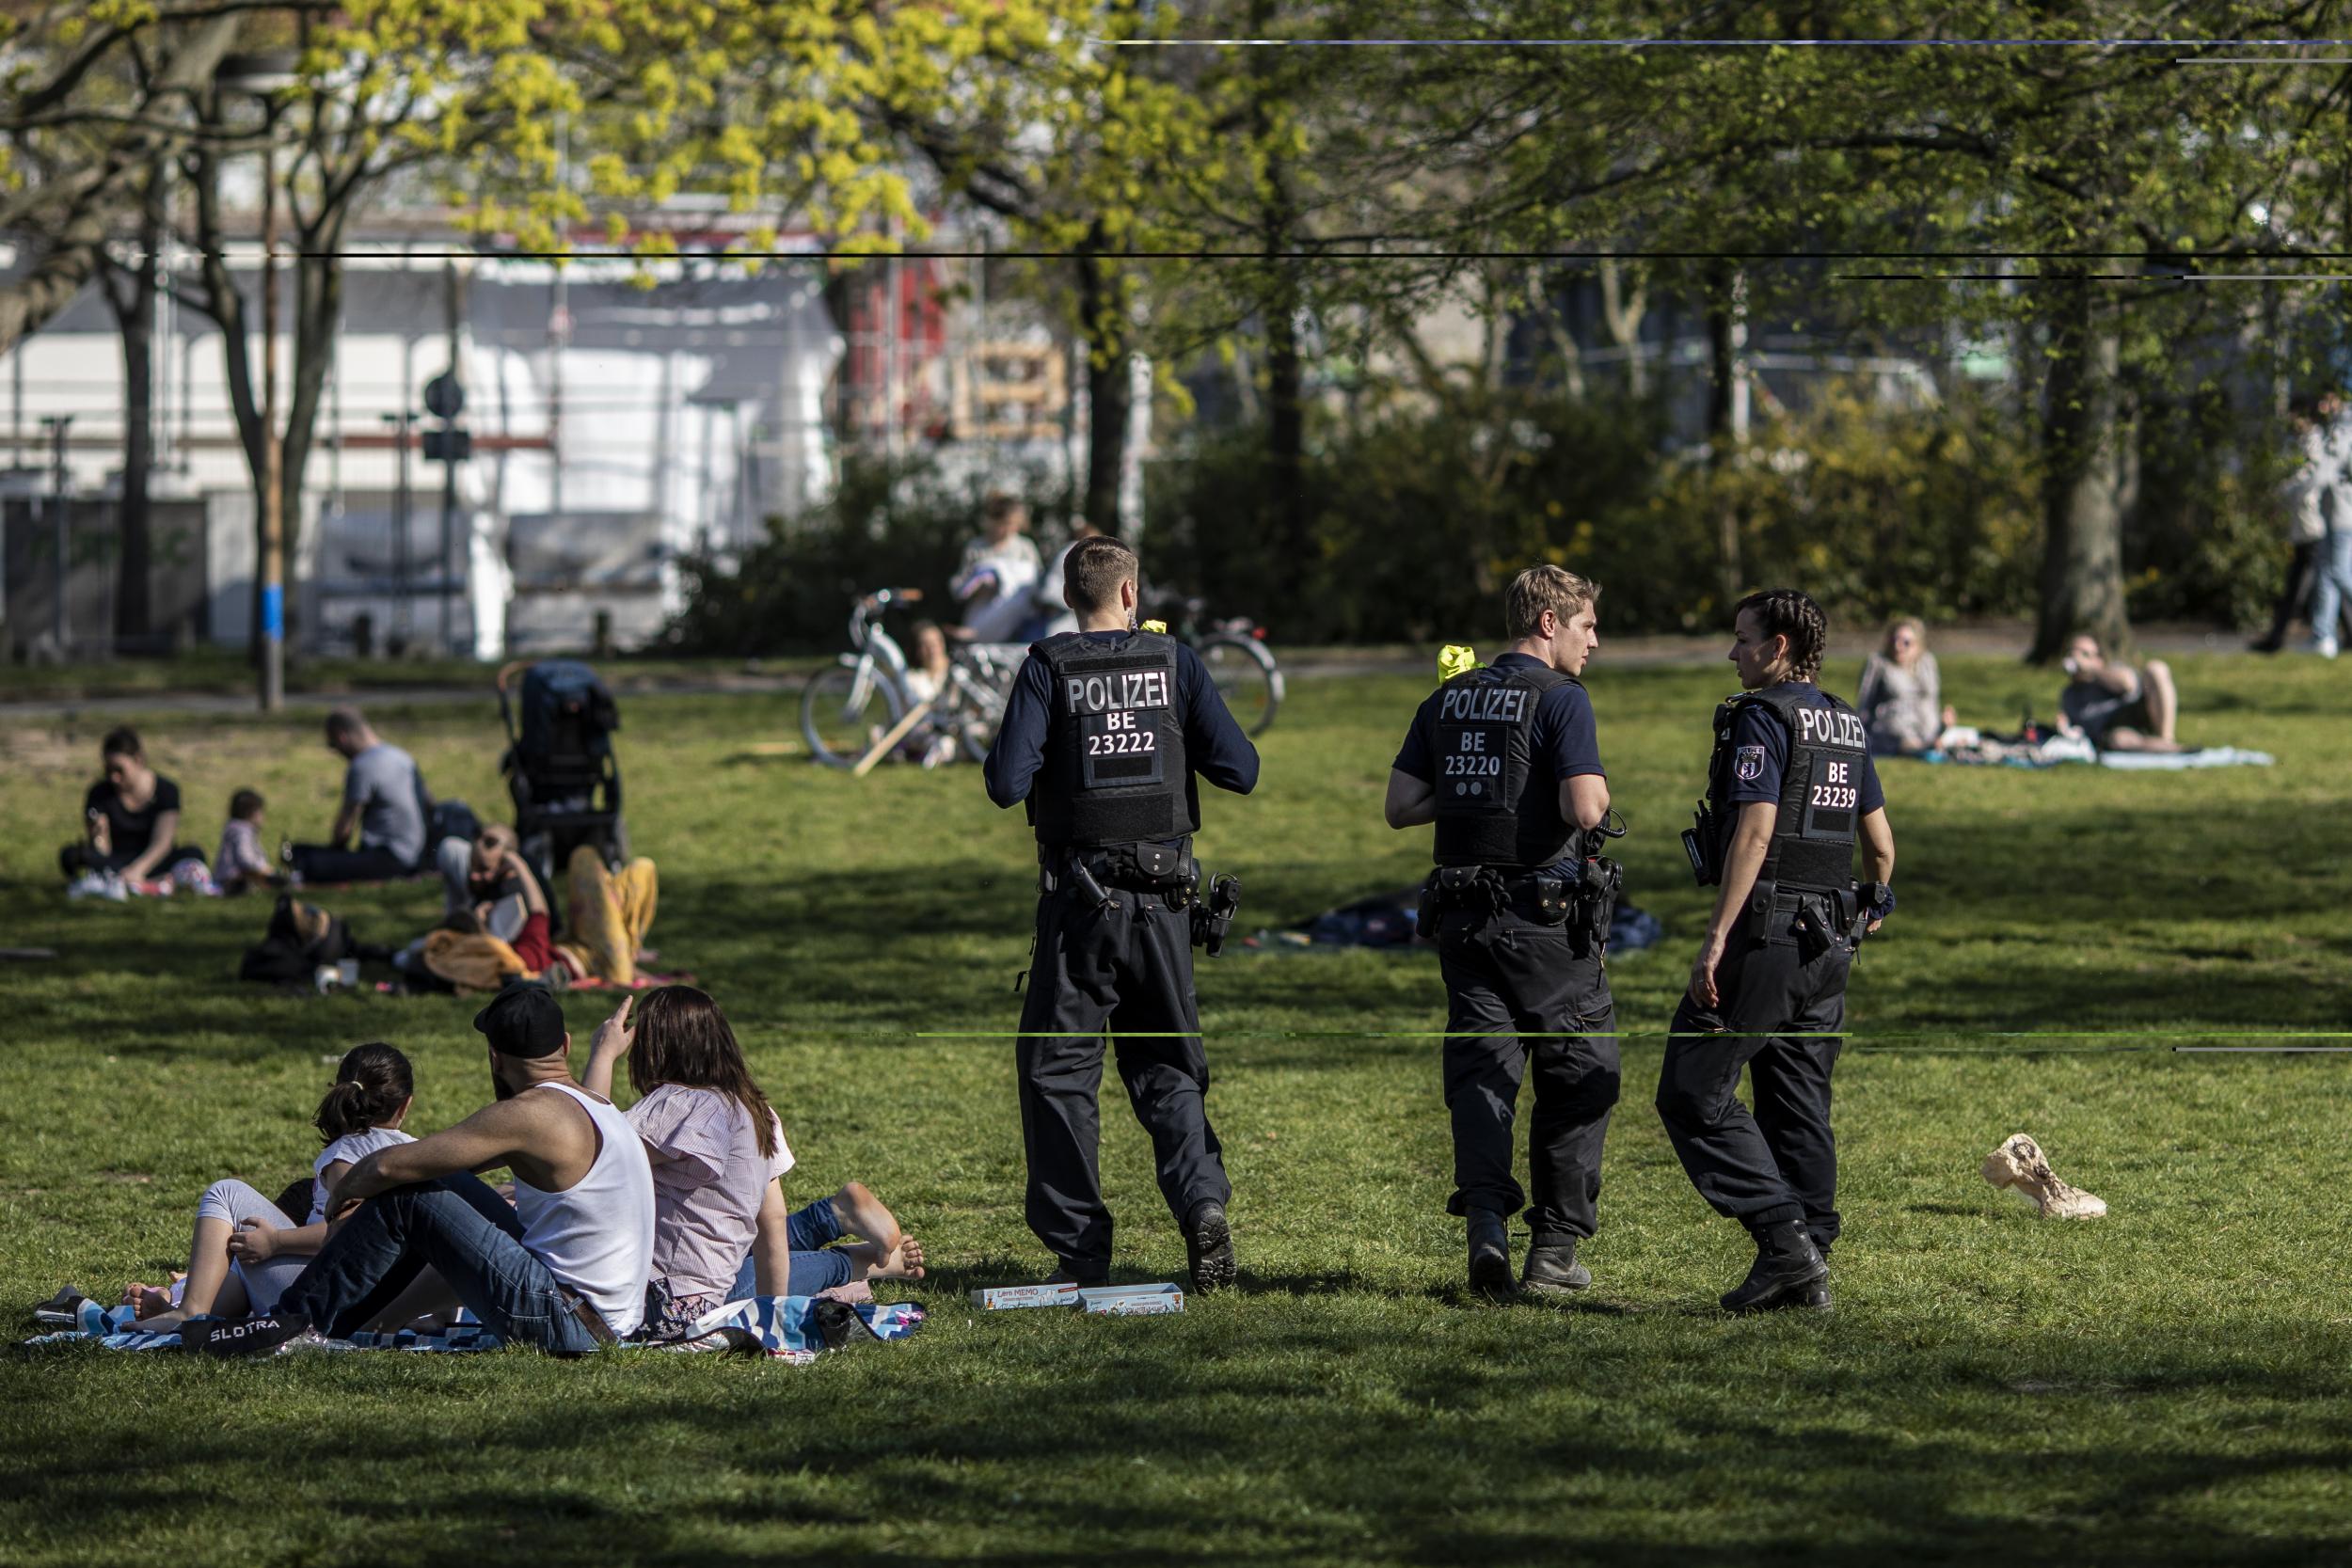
[[1420, 517]]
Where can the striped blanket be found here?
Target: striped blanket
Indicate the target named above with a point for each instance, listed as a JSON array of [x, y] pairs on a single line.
[[782, 1329]]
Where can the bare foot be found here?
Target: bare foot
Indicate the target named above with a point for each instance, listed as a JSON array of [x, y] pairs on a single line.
[[903, 1262], [149, 1299], [862, 1215]]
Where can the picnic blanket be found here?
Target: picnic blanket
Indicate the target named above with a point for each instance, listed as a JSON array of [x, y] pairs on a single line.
[[782, 1329], [2060, 749], [2210, 756]]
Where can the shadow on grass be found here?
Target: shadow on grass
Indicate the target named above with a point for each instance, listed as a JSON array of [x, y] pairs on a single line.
[[1325, 1439]]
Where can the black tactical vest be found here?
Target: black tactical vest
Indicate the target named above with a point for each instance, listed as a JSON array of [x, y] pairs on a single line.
[[1821, 789], [1495, 806], [1114, 769]]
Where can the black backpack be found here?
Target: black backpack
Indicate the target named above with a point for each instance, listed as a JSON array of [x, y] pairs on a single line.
[[300, 938]]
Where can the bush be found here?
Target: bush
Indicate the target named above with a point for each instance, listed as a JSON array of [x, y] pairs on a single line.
[[1421, 518], [1416, 517]]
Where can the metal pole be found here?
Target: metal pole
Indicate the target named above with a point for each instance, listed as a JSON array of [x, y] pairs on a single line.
[[449, 529], [273, 455], [62, 622], [455, 306], [399, 525]]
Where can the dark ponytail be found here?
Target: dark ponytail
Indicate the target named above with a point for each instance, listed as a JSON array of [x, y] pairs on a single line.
[[369, 1087]]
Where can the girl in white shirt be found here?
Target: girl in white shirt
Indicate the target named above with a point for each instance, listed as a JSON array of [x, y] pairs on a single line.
[[246, 1249]]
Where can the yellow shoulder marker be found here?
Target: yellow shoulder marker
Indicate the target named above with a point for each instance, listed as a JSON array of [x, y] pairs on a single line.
[[1160, 626], [1456, 658]]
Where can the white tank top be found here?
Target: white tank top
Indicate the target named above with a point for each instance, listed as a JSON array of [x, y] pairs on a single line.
[[597, 1234]]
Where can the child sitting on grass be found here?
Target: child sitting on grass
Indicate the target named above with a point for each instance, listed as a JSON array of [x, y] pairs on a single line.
[[240, 866], [719, 1156], [247, 1250]]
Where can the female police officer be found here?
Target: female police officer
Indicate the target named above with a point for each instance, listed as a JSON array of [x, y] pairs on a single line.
[[1101, 737], [1503, 760], [1789, 788]]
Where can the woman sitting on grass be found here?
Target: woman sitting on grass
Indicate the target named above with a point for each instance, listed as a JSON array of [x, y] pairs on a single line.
[[1901, 697], [719, 1154], [129, 818], [248, 1249]]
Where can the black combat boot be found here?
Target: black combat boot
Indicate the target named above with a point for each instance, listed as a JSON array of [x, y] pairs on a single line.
[[1209, 1247], [1787, 1264], [1552, 1266], [1489, 1253]]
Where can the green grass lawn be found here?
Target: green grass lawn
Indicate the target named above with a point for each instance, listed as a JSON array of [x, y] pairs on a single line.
[[2171, 1384]]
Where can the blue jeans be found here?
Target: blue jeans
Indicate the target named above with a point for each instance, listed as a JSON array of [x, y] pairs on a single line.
[[2334, 568], [813, 1268], [457, 1226]]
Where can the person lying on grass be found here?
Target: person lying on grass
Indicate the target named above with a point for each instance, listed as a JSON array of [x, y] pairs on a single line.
[[2118, 708], [496, 924], [720, 1228], [563, 1270], [246, 1249]]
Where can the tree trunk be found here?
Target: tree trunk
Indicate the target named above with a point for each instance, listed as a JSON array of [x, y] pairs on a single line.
[[1102, 324], [1288, 520], [1621, 312], [226, 306], [135, 317], [2082, 560], [1721, 438], [318, 306]]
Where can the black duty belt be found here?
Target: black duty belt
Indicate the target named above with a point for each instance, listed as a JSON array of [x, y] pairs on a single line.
[[1131, 867]]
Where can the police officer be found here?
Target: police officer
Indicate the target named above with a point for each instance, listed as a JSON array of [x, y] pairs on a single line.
[[1788, 790], [1504, 761], [1101, 737]]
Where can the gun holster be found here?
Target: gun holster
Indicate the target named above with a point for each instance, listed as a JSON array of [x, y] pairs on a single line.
[[1816, 928], [1596, 893], [1212, 917], [1698, 841]]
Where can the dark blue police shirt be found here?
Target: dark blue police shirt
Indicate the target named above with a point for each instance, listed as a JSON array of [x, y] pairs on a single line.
[[1565, 734], [1214, 746], [1755, 727]]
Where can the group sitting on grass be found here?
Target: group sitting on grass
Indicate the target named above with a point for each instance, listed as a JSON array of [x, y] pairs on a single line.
[[131, 824], [2107, 705], [619, 1225]]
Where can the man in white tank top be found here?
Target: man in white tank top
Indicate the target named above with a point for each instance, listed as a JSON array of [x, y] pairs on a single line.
[[564, 1268]]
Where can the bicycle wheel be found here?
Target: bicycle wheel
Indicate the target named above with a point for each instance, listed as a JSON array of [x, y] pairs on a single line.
[[844, 710], [974, 707], [1246, 677]]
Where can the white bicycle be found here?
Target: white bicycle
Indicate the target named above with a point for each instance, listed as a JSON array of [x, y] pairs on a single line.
[[845, 710]]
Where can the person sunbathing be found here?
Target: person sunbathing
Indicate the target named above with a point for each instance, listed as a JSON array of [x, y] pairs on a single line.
[[719, 1157], [2116, 707]]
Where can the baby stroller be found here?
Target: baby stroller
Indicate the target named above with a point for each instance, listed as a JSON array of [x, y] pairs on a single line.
[[560, 769]]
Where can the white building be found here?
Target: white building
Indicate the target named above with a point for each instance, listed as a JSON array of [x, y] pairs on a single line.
[[615, 425]]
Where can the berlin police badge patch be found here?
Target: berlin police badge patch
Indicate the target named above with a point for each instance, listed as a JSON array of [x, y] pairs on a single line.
[[1748, 762]]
